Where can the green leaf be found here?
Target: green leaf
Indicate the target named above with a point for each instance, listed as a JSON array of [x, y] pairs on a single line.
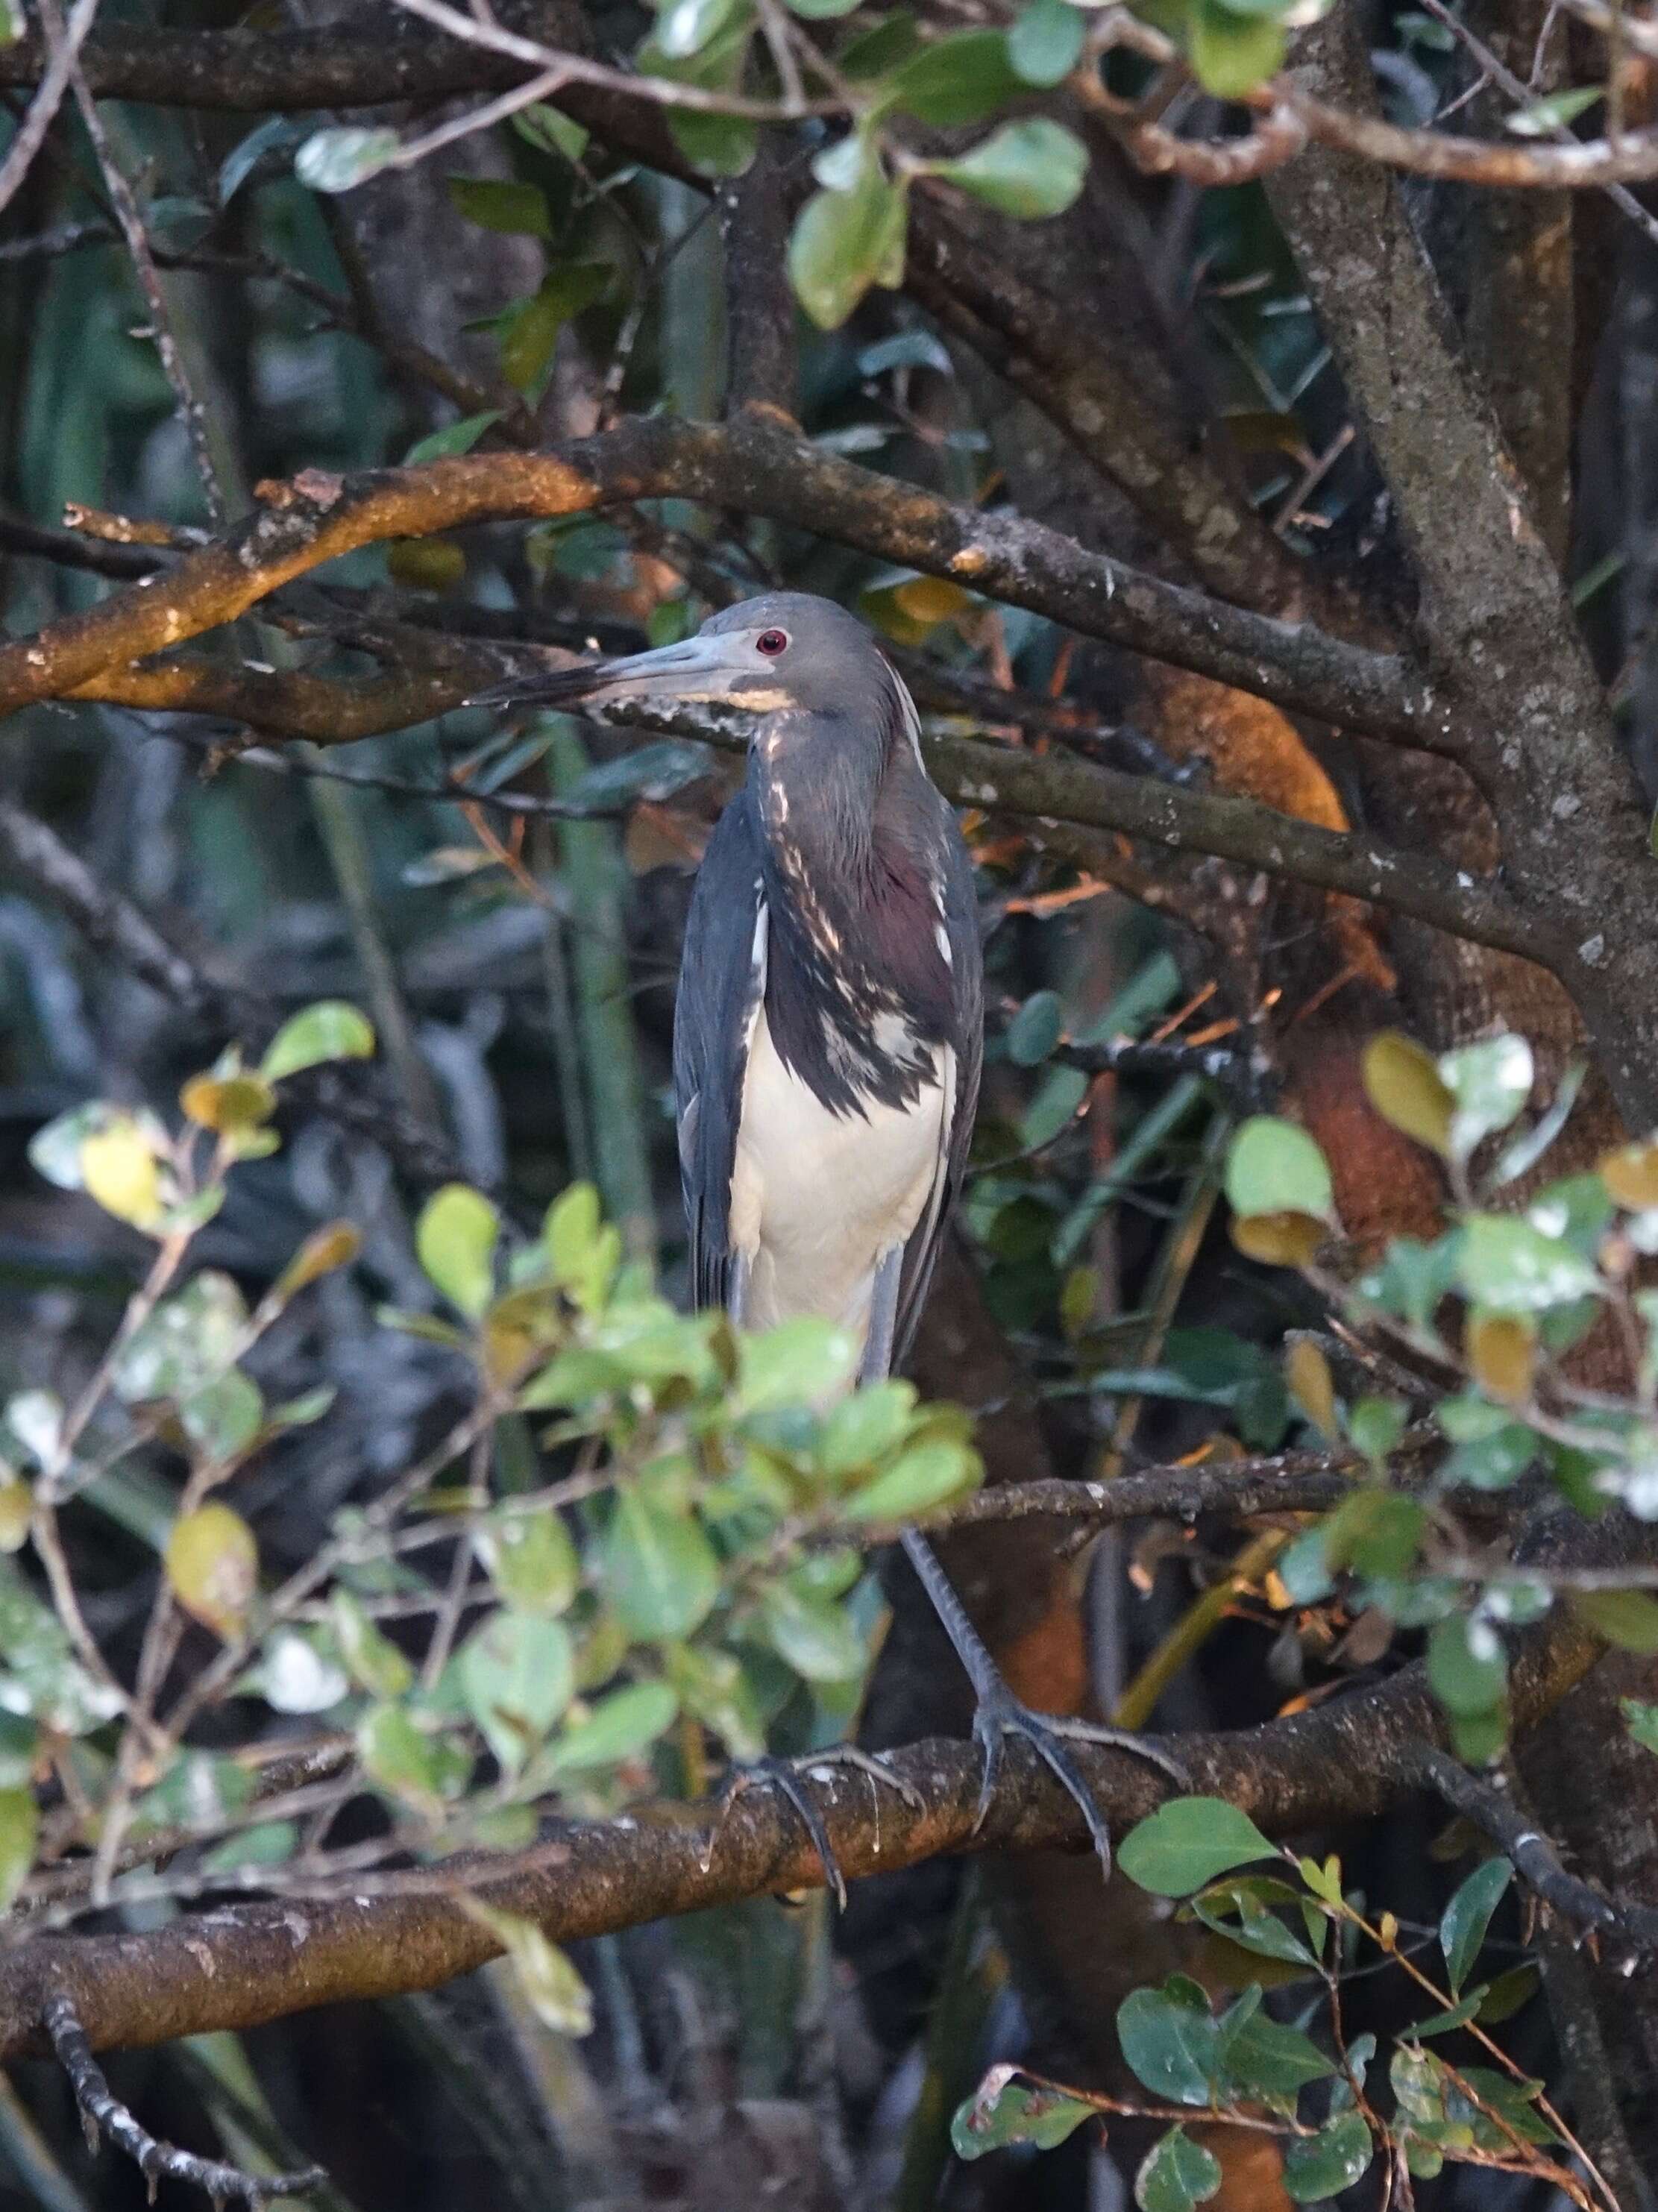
[[528, 331], [1267, 2060], [1641, 1720], [517, 1675], [1175, 2174], [1171, 2039], [455, 1242], [1403, 1083], [817, 1639], [955, 80], [620, 1727], [1542, 118], [1511, 1266], [1491, 1082], [1321, 2166], [334, 160], [1046, 41], [1628, 1618], [223, 1420], [716, 1689], [399, 1757], [1028, 169], [1040, 1022], [570, 1232], [557, 1995], [795, 1364], [545, 127], [1458, 2015], [331, 1030], [371, 1660], [454, 438], [683, 27], [864, 1427], [928, 1475], [1008, 2111], [1467, 1668], [531, 1559], [1274, 1167], [1231, 53], [1507, 1994], [1249, 1923], [20, 1824], [503, 204], [845, 241], [657, 1568], [1185, 1844]]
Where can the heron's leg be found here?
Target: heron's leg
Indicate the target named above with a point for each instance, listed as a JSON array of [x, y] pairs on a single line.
[[737, 1287], [999, 1713], [877, 1363], [788, 1776]]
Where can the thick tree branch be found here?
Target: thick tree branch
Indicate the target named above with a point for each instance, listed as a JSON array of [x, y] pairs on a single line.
[[762, 470], [1347, 1760]]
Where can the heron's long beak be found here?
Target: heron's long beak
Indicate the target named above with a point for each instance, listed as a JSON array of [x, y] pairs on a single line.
[[701, 668]]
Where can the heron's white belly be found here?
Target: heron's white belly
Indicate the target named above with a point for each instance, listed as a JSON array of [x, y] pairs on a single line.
[[817, 1197]]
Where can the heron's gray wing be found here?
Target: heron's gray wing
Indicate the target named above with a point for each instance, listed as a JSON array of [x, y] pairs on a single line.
[[722, 982], [960, 922]]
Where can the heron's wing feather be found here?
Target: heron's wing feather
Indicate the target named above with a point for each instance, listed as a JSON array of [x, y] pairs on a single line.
[[960, 1068], [722, 982]]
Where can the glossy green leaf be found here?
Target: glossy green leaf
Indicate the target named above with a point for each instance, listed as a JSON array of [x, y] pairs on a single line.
[[1466, 1666], [929, 1474], [845, 241], [373, 1661], [1037, 1028], [1185, 1844], [1006, 2110], [864, 1427], [955, 80], [454, 438], [621, 1726], [796, 1364], [455, 1241], [816, 1637], [1046, 41], [1321, 2166], [1232, 53], [331, 1030], [1267, 2060], [336, 159], [531, 1559], [1275, 1166], [400, 1758], [502, 204], [1490, 1081], [1628, 1618], [1175, 2174], [1171, 2040], [1028, 169], [517, 1674], [657, 1568], [1511, 1266]]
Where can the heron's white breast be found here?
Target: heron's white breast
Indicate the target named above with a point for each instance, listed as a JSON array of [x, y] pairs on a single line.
[[816, 1197]]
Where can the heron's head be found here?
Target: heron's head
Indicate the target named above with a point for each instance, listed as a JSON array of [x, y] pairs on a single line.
[[786, 654]]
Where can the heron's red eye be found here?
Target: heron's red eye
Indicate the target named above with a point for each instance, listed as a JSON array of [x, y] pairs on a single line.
[[771, 642]]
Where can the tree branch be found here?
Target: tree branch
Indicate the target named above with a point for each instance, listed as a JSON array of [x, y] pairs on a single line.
[[762, 470], [1347, 1760]]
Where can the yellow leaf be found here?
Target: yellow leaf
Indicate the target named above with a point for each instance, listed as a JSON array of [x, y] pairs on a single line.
[[324, 1250], [228, 1103], [119, 1170], [1502, 1351], [213, 1567], [1630, 1175], [1278, 1240], [1306, 1372], [426, 564], [1405, 1087], [931, 600]]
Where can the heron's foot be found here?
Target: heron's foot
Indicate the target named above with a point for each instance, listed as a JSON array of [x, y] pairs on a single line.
[[789, 1776], [1000, 1715]]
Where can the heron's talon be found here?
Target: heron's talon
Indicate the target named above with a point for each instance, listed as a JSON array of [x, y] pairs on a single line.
[[1000, 1715], [787, 1776]]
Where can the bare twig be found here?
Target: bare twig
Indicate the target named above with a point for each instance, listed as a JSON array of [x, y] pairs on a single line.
[[63, 43]]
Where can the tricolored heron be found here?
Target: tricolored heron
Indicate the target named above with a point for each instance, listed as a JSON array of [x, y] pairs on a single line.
[[829, 1028]]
